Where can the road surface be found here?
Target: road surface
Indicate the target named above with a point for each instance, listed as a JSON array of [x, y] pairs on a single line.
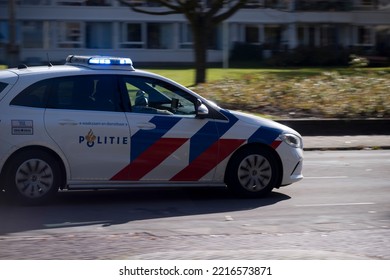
[[341, 210]]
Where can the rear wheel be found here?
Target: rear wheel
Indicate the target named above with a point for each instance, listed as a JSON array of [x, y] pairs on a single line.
[[33, 177], [252, 172]]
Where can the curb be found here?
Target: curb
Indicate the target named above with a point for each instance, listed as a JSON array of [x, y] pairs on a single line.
[[338, 127], [352, 148]]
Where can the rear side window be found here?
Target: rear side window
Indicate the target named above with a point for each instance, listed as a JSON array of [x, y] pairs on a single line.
[[89, 92], [33, 96], [2, 86]]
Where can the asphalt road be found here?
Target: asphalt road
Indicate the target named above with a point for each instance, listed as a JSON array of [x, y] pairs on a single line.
[[341, 210]]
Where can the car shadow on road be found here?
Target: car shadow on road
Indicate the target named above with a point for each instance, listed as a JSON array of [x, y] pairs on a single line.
[[106, 208]]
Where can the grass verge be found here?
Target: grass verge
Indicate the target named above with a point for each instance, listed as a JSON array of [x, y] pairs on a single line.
[[296, 93]]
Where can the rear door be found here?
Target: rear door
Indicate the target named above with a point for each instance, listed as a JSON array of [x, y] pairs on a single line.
[[85, 118]]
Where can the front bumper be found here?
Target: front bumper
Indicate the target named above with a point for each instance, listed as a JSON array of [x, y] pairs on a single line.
[[292, 162]]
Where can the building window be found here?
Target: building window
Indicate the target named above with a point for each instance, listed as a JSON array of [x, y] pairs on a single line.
[[3, 32], [215, 38], [252, 34], [147, 35], [186, 40], [366, 2], [35, 2], [364, 35], [98, 2], [328, 36], [383, 40], [320, 5], [98, 35], [132, 35], [32, 34], [71, 2], [159, 35], [272, 37], [301, 36], [70, 34], [82, 2]]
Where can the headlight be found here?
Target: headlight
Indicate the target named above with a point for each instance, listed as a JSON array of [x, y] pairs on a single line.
[[292, 140]]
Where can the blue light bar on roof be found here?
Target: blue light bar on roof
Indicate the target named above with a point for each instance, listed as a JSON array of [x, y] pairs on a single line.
[[101, 61]]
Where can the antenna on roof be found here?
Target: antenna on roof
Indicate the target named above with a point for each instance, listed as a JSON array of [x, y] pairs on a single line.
[[48, 60]]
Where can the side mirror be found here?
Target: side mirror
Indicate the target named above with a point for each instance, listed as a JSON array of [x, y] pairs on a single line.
[[201, 109]]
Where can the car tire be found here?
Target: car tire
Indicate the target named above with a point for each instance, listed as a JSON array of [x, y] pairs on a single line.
[[252, 172], [33, 177]]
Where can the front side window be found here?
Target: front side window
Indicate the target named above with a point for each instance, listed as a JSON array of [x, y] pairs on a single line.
[[153, 96]]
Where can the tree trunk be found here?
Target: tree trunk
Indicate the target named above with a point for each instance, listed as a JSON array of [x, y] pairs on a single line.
[[200, 31], [12, 48]]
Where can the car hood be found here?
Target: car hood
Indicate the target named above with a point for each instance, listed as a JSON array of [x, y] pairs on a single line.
[[259, 121]]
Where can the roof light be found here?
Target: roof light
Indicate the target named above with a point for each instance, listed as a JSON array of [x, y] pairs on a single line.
[[101, 62]]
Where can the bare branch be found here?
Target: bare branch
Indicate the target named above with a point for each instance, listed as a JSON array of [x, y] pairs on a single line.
[[216, 5], [171, 8], [231, 11]]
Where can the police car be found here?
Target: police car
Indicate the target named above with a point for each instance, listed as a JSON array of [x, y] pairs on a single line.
[[96, 122]]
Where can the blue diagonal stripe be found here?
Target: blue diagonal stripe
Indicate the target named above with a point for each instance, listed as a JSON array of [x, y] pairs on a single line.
[[209, 134], [143, 139], [265, 135]]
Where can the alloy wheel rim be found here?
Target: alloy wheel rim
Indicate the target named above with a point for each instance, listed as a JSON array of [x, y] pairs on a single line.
[[34, 178], [254, 173]]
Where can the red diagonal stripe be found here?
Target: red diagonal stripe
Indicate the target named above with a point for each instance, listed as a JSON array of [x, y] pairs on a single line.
[[276, 144], [205, 162], [149, 159]]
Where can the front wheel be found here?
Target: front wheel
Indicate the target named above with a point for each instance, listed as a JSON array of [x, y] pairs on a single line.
[[252, 172], [33, 177]]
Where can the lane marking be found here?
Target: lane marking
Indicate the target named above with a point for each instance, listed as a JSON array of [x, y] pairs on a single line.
[[335, 204], [327, 177]]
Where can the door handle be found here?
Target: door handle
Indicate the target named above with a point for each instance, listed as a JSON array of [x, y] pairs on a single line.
[[67, 122], [146, 126]]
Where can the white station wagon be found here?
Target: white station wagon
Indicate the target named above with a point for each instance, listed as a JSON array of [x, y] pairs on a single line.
[[96, 122]]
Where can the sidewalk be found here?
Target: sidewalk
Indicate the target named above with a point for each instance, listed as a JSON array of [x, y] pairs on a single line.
[[359, 142]]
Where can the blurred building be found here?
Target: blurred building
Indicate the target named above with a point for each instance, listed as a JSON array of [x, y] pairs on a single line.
[[57, 28]]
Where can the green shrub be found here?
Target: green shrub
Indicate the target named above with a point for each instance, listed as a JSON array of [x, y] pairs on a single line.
[[243, 52], [353, 94], [358, 61], [308, 56]]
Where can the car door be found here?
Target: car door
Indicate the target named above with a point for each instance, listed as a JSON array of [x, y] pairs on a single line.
[[85, 118], [169, 141]]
